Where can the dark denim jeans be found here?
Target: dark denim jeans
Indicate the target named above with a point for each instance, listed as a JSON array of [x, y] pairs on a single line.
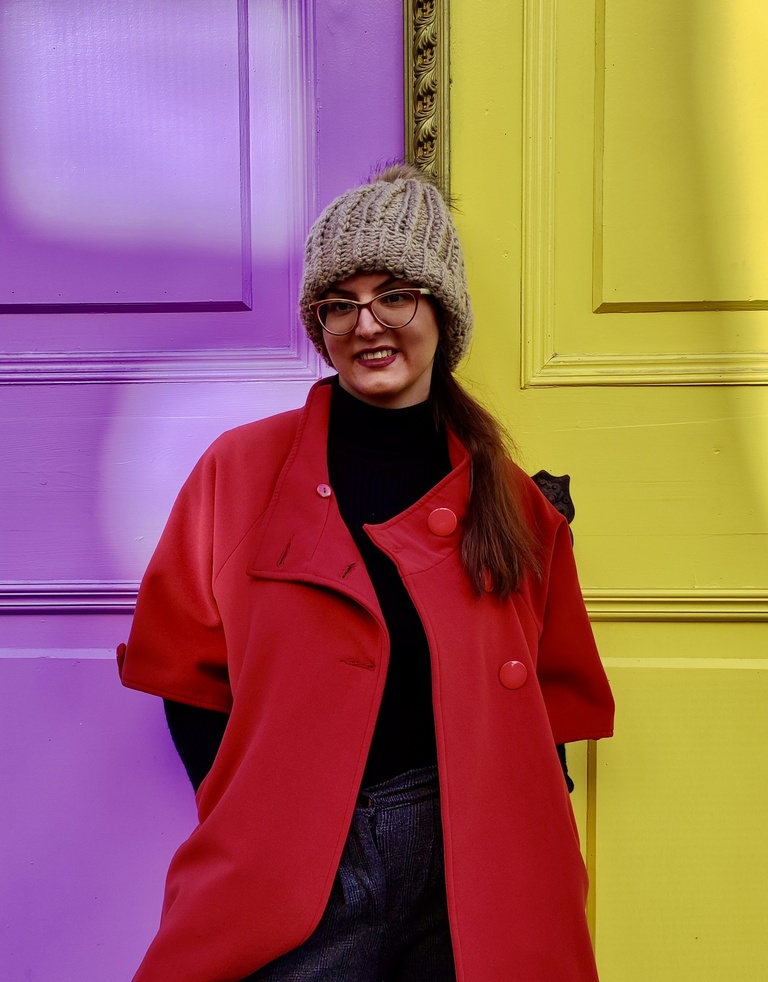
[[386, 920]]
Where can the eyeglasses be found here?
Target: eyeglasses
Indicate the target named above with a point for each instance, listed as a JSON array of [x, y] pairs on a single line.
[[393, 309]]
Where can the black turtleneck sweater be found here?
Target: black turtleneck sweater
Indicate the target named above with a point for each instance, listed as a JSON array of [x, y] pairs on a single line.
[[380, 461]]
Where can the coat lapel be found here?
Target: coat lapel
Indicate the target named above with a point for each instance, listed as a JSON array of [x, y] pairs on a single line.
[[303, 536]]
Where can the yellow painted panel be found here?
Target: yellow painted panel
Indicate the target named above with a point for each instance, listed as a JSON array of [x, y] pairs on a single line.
[[577, 768], [670, 491], [643, 193], [741, 644], [682, 861], [684, 195]]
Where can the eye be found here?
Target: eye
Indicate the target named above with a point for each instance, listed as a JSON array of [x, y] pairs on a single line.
[[337, 308], [395, 298]]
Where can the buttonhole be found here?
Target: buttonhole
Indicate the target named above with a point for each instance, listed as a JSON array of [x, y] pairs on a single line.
[[359, 663], [287, 549], [347, 570]]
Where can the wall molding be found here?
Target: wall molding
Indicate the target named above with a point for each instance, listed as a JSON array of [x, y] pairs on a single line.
[[427, 87], [677, 605], [724, 368], [537, 329], [542, 363], [300, 361], [68, 596], [119, 596]]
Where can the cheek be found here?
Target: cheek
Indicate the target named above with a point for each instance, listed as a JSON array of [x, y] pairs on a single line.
[[432, 339], [432, 329], [332, 348]]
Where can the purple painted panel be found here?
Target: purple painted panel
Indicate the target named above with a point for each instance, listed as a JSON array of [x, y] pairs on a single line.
[[122, 153], [56, 635], [94, 803], [152, 171], [359, 91], [92, 471]]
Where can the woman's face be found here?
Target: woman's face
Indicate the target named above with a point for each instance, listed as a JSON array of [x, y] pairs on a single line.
[[378, 365]]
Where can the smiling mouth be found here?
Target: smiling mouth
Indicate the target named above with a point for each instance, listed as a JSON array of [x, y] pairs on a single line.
[[376, 355]]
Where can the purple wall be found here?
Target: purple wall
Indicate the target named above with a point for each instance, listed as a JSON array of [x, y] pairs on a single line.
[[105, 406]]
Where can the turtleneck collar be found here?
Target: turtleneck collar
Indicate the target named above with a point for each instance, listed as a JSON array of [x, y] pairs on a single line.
[[398, 431]]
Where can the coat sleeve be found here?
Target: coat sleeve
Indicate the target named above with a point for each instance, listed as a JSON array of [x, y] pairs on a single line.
[[573, 682], [176, 648]]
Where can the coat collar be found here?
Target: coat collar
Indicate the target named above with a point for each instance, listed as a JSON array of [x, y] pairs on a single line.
[[304, 538]]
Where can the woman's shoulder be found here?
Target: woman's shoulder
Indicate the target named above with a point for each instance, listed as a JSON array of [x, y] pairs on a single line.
[[276, 433], [269, 433]]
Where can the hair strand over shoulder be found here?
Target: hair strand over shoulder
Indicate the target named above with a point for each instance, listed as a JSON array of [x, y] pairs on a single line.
[[499, 542]]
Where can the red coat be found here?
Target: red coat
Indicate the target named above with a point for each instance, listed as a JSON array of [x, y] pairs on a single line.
[[257, 603]]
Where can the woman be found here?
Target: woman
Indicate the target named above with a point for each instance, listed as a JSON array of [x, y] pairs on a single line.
[[367, 627]]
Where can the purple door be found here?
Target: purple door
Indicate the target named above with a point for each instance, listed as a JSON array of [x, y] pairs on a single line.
[[160, 164]]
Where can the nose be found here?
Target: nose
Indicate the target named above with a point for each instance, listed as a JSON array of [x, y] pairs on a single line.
[[367, 325]]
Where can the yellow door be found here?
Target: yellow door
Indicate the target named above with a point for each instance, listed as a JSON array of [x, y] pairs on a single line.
[[610, 163]]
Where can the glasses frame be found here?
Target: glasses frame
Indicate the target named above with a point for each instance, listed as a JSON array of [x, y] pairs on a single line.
[[417, 292]]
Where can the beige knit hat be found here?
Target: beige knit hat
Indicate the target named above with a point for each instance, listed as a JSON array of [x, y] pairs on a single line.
[[400, 224]]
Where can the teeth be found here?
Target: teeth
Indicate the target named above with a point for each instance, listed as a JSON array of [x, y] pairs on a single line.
[[371, 355]]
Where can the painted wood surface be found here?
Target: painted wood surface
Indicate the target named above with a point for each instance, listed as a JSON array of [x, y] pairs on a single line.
[[159, 167], [608, 171]]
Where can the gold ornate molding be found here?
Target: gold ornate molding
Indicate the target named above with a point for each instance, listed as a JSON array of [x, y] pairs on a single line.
[[427, 84]]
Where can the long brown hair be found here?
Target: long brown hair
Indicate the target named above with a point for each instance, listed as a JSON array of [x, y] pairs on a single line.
[[499, 543]]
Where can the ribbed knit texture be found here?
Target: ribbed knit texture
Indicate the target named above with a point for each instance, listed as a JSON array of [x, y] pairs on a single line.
[[380, 461], [401, 226]]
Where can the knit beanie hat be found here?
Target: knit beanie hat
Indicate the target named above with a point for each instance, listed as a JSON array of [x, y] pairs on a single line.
[[400, 224]]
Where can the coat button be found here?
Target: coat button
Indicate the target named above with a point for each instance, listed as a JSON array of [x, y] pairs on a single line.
[[324, 490], [442, 521], [513, 674]]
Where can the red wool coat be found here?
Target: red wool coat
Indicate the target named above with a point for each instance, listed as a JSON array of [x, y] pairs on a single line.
[[257, 603]]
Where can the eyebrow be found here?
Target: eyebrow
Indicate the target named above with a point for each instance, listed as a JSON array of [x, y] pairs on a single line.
[[392, 280]]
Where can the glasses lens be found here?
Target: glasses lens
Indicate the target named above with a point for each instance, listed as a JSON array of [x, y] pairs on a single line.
[[337, 316], [395, 309]]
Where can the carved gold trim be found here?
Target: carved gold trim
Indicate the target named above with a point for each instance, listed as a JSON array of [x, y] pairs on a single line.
[[427, 84], [677, 605], [541, 362]]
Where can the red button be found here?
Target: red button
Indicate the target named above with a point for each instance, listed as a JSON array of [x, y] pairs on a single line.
[[324, 490], [442, 521], [513, 674]]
